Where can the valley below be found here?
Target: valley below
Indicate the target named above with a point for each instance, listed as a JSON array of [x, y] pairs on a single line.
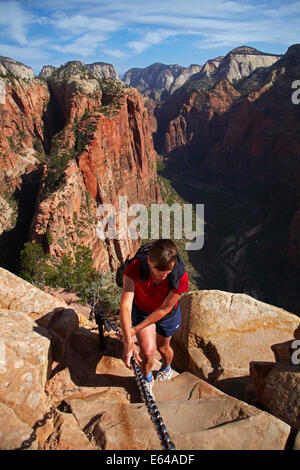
[[245, 241]]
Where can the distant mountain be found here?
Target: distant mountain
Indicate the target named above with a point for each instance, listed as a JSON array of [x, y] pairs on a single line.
[[243, 134], [159, 80], [241, 62], [70, 140], [94, 70], [15, 68]]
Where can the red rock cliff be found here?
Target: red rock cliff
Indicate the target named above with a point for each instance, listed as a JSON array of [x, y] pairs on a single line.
[[22, 107], [245, 134], [108, 138]]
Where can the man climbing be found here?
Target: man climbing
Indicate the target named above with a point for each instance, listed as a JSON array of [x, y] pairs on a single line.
[[150, 309]]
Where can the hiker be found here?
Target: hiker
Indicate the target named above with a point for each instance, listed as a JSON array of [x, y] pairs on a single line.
[[149, 310]]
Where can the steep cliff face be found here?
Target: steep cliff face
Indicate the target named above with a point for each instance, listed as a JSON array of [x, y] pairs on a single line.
[[159, 80], [110, 153], [68, 145], [242, 131], [209, 67], [96, 69], [244, 135], [22, 134], [241, 62], [14, 68]]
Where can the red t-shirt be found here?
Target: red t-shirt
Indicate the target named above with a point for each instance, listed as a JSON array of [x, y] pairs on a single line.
[[149, 297]]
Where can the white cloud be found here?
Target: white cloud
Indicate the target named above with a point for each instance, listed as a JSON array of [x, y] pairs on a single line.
[[117, 53], [151, 38], [26, 55], [85, 45], [284, 9], [14, 22], [263, 31], [87, 29], [80, 34], [77, 24]]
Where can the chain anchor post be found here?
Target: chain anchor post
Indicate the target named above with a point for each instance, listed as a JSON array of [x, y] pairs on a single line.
[[101, 325]]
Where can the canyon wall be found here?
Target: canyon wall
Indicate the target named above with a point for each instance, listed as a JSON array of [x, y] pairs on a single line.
[[242, 133], [87, 141]]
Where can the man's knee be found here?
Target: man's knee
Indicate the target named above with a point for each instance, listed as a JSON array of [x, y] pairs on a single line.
[[148, 352], [164, 349]]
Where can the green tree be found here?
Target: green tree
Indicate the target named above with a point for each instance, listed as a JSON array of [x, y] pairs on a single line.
[[32, 261]]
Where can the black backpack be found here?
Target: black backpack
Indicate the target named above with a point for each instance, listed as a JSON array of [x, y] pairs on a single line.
[[141, 254]]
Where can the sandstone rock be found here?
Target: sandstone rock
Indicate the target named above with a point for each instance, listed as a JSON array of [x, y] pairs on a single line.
[[110, 131], [103, 70], [74, 68], [159, 80], [297, 333], [259, 372], [22, 133], [67, 435], [13, 431], [230, 330], [47, 71], [283, 351], [116, 426], [260, 432], [7, 215], [16, 68], [213, 423], [182, 387], [87, 370], [18, 294], [210, 66], [282, 391], [24, 368], [241, 62], [242, 146], [185, 75]]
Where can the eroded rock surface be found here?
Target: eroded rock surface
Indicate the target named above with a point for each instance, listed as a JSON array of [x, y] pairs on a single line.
[[56, 364]]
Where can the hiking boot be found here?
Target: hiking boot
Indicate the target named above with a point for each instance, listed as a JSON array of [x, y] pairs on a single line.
[[149, 386], [163, 375]]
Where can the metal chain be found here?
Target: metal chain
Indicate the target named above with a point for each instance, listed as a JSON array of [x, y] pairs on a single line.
[[147, 397], [27, 443]]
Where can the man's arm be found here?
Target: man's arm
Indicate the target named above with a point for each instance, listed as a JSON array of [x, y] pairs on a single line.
[[125, 320], [158, 314]]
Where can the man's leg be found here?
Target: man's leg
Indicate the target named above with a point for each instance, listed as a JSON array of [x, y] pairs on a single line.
[[164, 348], [147, 340]]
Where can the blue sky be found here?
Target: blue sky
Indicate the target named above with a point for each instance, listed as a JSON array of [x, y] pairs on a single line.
[[138, 33]]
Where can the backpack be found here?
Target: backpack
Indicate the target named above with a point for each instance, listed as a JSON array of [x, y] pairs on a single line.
[[141, 254]]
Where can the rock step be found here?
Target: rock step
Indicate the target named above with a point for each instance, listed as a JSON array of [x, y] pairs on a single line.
[[216, 422]]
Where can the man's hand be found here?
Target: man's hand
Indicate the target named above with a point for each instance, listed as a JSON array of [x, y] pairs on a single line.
[[119, 334], [133, 331], [129, 351]]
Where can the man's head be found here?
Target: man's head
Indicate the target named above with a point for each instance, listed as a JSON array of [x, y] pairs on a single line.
[[162, 257]]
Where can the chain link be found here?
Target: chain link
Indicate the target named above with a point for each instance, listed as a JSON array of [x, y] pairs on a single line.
[[27, 443], [150, 403], [148, 399]]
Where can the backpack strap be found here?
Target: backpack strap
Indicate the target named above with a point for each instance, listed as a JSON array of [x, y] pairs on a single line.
[[176, 274]]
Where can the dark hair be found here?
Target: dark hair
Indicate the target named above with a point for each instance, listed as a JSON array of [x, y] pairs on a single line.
[[163, 253]]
